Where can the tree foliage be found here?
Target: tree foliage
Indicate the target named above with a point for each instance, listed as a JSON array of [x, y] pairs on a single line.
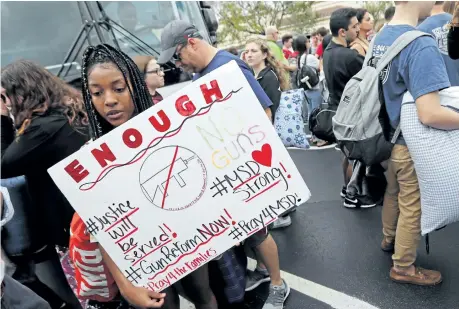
[[241, 19], [377, 9]]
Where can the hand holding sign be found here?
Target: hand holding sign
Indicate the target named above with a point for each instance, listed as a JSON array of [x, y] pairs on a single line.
[[174, 187]]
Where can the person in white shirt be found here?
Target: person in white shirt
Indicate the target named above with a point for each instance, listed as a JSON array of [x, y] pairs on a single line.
[[314, 95]]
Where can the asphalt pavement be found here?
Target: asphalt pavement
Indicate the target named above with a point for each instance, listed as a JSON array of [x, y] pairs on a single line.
[[331, 258], [337, 250]]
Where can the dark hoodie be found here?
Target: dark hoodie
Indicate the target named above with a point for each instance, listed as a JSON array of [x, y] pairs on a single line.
[[270, 83]]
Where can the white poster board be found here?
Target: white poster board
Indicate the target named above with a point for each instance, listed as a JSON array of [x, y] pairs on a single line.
[[184, 181]]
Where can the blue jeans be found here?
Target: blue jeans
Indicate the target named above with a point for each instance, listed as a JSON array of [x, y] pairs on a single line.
[[314, 99]]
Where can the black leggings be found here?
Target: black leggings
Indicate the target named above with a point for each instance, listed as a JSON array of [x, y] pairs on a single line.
[[197, 289]]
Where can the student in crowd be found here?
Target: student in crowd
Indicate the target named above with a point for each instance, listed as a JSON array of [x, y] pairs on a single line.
[[361, 44], [272, 35], [314, 43], [154, 75], [453, 35], [340, 65], [314, 96], [321, 33], [181, 41], [437, 25], [287, 49], [114, 91], [268, 71], [49, 125], [401, 214]]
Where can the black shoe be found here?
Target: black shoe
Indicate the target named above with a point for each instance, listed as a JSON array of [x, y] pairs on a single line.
[[350, 202], [343, 192]]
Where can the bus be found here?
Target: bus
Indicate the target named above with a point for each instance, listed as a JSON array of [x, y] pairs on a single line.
[[56, 33]]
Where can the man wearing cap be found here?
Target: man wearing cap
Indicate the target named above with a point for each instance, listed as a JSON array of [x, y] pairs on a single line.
[[181, 43]]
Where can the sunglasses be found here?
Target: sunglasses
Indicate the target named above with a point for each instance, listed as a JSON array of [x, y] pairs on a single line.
[[176, 56], [3, 98]]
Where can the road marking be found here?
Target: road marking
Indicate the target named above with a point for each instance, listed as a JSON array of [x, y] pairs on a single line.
[[335, 299], [322, 293], [313, 147]]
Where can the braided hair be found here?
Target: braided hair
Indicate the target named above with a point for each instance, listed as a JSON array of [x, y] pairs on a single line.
[[103, 54]]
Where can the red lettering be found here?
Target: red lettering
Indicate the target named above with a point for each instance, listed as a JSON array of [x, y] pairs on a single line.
[[184, 106], [213, 91], [103, 155], [76, 171], [160, 127], [132, 133]]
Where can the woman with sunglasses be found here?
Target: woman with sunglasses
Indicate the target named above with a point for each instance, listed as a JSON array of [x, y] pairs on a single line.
[[154, 75]]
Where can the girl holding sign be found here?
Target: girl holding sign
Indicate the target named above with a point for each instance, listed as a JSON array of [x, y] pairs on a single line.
[[114, 91]]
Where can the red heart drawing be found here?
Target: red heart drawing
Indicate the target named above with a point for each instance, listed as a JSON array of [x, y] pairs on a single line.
[[264, 156]]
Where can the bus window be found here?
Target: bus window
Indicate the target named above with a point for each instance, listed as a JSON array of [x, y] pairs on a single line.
[[40, 31], [146, 20]]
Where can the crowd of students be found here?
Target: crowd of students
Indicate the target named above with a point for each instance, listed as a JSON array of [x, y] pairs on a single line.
[[44, 120]]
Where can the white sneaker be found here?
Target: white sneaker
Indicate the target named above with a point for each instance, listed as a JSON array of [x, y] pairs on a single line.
[[281, 222], [277, 296]]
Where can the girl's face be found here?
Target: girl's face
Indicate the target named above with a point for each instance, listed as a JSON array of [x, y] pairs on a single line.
[[110, 94], [154, 75], [367, 22], [253, 54]]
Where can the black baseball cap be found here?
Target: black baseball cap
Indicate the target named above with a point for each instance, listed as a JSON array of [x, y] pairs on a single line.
[[175, 33]]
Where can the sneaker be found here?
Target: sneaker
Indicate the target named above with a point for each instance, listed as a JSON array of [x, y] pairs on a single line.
[[387, 246], [355, 203], [421, 277], [255, 278], [277, 296], [281, 222], [343, 192]]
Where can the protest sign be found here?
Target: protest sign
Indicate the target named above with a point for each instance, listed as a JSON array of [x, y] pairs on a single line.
[[184, 181]]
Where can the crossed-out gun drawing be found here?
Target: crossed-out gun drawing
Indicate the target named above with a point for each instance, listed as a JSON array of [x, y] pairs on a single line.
[[155, 186]]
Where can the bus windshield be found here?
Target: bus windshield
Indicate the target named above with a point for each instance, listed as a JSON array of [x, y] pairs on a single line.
[[146, 20], [44, 31]]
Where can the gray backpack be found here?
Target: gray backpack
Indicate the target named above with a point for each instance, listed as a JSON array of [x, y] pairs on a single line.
[[361, 124]]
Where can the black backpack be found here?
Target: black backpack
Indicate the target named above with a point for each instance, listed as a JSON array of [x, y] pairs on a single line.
[[306, 76], [320, 123]]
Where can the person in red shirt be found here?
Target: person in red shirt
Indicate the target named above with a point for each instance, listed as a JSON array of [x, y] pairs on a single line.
[[321, 33], [287, 41]]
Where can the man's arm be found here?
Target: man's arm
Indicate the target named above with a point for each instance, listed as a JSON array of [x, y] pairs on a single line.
[[431, 113], [424, 81]]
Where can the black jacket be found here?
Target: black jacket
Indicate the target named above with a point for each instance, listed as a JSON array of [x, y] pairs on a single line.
[[453, 43], [46, 141], [340, 64], [270, 83]]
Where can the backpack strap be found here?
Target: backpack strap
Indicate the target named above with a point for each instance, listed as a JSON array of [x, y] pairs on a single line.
[[400, 43], [397, 132]]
